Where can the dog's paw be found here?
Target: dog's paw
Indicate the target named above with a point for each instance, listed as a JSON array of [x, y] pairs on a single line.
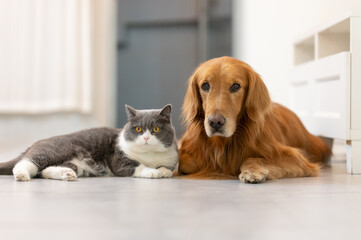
[[165, 172], [22, 175], [253, 176]]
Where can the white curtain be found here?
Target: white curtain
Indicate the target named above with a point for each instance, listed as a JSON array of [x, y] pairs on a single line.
[[45, 56]]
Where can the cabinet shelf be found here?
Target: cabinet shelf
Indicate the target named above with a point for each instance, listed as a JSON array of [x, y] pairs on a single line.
[[334, 39], [324, 42], [304, 51]]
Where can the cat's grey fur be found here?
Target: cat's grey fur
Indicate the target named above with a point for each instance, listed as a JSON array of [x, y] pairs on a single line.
[[103, 151]]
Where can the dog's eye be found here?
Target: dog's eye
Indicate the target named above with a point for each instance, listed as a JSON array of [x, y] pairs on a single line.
[[235, 87], [205, 87]]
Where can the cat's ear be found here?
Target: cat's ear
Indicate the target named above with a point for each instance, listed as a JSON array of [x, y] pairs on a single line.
[[166, 111], [131, 112]]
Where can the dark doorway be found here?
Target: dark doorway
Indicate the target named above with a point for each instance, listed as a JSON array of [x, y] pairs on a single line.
[[160, 42]]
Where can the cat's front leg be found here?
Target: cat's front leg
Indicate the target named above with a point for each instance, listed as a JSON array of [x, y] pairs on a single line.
[[143, 171], [123, 166], [165, 172]]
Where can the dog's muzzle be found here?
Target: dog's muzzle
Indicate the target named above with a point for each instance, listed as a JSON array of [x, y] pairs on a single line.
[[216, 122]]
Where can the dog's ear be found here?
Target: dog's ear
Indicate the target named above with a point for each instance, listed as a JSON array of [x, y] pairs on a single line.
[[192, 106], [258, 101]]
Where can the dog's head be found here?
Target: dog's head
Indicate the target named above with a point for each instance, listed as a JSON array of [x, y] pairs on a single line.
[[221, 91]]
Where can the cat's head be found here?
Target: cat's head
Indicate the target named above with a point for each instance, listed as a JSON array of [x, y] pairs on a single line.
[[149, 129]]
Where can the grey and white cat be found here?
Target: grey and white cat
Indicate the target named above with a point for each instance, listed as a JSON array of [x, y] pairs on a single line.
[[145, 148]]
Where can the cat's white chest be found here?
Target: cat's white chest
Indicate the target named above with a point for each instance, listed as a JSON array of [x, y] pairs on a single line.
[[151, 156]]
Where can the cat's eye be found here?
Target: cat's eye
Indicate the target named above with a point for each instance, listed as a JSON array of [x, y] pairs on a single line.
[[235, 87], [205, 87], [138, 129], [156, 129]]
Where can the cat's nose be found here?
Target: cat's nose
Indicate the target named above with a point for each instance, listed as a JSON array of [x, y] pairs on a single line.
[[146, 138]]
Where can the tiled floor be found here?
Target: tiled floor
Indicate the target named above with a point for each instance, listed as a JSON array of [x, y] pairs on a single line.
[[326, 207]]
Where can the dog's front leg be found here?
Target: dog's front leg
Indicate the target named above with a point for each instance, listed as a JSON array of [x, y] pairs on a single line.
[[253, 170], [288, 163]]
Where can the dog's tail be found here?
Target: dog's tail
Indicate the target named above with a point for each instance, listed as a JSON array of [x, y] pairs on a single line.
[[6, 168], [320, 150]]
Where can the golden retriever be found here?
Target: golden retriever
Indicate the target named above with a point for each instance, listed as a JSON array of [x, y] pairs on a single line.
[[235, 130]]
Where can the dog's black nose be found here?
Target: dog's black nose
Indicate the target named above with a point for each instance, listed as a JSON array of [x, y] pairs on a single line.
[[216, 121]]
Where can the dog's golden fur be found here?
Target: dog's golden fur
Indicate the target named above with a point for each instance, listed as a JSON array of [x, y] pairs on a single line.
[[260, 139]]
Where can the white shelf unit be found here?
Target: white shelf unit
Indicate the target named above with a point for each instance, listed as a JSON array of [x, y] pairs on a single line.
[[326, 84]]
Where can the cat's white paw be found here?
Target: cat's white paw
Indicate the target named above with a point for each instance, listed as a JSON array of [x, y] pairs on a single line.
[[59, 173], [149, 173], [165, 172], [24, 170], [21, 175], [68, 175]]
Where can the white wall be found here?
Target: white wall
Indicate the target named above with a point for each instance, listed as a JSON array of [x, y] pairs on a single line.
[[264, 32]]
